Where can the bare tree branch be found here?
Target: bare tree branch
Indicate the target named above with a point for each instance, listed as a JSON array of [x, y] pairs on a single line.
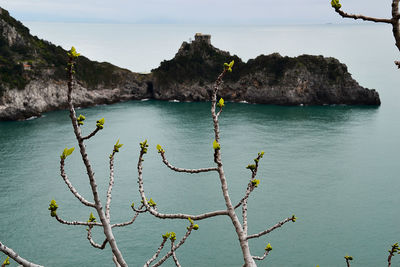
[[174, 256], [174, 248], [279, 224], [94, 244], [13, 255], [353, 16], [104, 221], [157, 253], [77, 222], [71, 187], [157, 214], [110, 185], [92, 134], [131, 221], [164, 159], [262, 257]]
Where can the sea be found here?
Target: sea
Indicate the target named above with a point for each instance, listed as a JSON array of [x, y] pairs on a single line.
[[335, 167]]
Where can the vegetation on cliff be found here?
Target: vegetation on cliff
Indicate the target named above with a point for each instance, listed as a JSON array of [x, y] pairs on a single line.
[[24, 57]]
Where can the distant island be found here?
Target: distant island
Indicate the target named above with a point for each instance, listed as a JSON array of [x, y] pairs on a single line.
[[33, 80]]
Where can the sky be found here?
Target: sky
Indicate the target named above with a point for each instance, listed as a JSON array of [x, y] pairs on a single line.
[[192, 12]]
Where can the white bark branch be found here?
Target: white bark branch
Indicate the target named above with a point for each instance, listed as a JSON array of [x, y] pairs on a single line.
[[174, 248], [262, 257], [91, 241], [155, 256], [71, 187], [77, 222], [157, 214], [164, 159], [106, 224], [279, 224], [110, 185], [13, 255]]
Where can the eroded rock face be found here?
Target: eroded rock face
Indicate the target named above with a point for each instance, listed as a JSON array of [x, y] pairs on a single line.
[[33, 80], [40, 96], [272, 79]]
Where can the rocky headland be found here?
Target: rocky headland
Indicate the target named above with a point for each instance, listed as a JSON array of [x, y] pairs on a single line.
[[33, 80]]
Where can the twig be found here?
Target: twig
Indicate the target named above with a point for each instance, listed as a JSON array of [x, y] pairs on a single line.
[[174, 248], [157, 214], [157, 252], [279, 224], [94, 244], [131, 221], [353, 16], [104, 221], [77, 222], [262, 257], [164, 159], [92, 134], [71, 187], [13, 255], [110, 185]]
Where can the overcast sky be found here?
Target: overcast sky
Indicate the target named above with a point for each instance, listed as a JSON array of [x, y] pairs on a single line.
[[191, 11]]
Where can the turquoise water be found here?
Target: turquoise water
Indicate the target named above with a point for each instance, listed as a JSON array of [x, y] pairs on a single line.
[[336, 168]]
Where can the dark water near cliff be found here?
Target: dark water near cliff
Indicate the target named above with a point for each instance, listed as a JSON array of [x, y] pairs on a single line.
[[336, 168]]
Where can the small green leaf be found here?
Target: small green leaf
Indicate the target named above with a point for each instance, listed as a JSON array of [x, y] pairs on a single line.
[[53, 208], [72, 53], [100, 123], [216, 145], [255, 182], [172, 236], [190, 220], [66, 152], [7, 261], [117, 146], [92, 218], [152, 203], [335, 4], [160, 149], [229, 66], [268, 247], [350, 258], [221, 103]]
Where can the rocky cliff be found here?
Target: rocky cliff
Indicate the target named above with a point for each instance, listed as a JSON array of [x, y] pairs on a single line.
[[271, 79], [33, 77], [33, 80]]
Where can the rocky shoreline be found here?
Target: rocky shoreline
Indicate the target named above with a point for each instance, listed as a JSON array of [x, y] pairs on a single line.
[[33, 82]]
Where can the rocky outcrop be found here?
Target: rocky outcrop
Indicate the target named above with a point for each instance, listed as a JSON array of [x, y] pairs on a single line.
[[272, 79], [33, 79]]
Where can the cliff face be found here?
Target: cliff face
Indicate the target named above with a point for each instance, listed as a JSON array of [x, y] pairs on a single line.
[[272, 79], [33, 80]]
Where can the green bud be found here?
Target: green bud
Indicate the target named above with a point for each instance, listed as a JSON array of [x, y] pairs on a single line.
[[221, 103], [100, 123], [92, 218], [72, 53], [160, 149], [7, 261], [268, 247], [144, 146], [255, 182], [216, 145], [53, 208], [350, 258], [195, 227], [67, 152], [117, 146], [80, 119], [294, 218], [251, 167], [172, 236]]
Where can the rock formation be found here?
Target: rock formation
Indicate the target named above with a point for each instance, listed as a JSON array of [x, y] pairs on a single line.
[[33, 80]]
